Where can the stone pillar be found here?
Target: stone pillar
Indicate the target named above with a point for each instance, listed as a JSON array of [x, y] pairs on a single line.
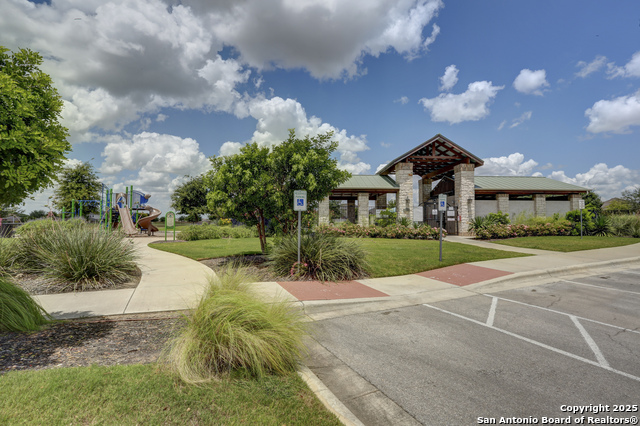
[[404, 200], [503, 203], [539, 205], [363, 208], [323, 212], [574, 201], [465, 195], [351, 211], [424, 190], [381, 201]]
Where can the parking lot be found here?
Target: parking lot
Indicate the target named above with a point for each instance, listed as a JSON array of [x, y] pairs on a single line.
[[530, 354]]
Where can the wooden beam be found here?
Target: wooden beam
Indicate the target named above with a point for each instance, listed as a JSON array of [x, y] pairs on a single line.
[[442, 170], [434, 158]]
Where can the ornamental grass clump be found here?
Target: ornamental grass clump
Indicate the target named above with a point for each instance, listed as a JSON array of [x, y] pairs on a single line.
[[18, 310], [78, 257], [213, 232], [233, 331], [322, 257], [7, 254]]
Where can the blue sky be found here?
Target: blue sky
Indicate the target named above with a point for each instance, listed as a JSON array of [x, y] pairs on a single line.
[[152, 88]]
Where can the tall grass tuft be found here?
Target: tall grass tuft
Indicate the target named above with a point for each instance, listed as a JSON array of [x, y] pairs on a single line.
[[212, 232], [625, 225], [231, 330], [86, 257], [7, 254], [323, 257], [18, 310]]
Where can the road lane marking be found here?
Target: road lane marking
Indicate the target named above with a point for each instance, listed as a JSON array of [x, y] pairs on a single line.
[[542, 345], [629, 330], [492, 311], [602, 287], [592, 344]]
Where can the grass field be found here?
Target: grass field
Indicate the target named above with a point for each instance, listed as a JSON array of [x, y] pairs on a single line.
[[567, 244], [387, 257], [147, 394]]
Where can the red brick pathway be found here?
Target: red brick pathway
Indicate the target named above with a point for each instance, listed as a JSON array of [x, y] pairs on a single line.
[[316, 290], [463, 274]]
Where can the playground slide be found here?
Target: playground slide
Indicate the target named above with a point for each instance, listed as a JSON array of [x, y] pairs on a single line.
[[126, 222], [145, 222]]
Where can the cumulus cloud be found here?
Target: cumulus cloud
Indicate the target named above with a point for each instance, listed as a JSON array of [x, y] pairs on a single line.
[[591, 67], [615, 115], [531, 82], [630, 69], [607, 181], [471, 105], [449, 79], [512, 165]]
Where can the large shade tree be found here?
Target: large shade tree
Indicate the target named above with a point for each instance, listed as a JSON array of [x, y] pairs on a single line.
[[33, 143], [75, 183], [258, 183], [632, 197]]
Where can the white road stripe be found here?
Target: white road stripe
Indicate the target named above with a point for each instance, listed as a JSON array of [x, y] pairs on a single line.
[[564, 313], [602, 287], [592, 344], [542, 345], [492, 311]]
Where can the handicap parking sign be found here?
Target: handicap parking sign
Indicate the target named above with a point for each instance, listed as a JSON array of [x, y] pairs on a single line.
[[300, 200]]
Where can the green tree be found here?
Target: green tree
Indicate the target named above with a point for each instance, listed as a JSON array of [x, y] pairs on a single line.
[[37, 214], [593, 202], [619, 206], [33, 143], [78, 182], [258, 184], [190, 198], [632, 196]]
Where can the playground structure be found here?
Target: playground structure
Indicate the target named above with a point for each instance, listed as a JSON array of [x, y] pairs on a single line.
[[124, 207]]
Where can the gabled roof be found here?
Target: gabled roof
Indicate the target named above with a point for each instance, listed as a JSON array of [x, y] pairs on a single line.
[[373, 184], [434, 158], [524, 184]]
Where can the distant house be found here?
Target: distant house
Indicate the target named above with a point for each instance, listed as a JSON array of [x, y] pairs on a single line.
[[453, 168]]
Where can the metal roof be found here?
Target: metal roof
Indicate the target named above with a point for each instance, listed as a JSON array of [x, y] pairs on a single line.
[[524, 183], [374, 182], [434, 158]]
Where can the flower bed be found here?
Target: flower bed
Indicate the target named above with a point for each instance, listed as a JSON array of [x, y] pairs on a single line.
[[500, 231], [422, 232]]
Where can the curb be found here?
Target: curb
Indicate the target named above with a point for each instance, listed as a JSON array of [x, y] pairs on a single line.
[[327, 398]]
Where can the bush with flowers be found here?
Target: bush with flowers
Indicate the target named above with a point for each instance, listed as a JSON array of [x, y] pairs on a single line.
[[347, 229]]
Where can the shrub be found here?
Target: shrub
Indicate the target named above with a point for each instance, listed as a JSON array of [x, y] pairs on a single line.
[[601, 226], [499, 231], [213, 232], [481, 222], [231, 329], [18, 310], [625, 225], [38, 227], [326, 258], [587, 221], [347, 229], [82, 256]]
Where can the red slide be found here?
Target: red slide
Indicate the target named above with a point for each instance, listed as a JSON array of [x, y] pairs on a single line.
[[145, 222]]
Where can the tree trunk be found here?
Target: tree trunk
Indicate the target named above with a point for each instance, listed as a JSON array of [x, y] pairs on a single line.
[[261, 233]]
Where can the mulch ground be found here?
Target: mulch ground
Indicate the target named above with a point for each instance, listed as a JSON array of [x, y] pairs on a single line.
[[126, 339]]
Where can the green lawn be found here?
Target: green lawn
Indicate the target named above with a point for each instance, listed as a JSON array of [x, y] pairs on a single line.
[[387, 257], [147, 394], [567, 244]]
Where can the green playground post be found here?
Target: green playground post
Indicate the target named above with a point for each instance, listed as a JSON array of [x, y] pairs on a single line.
[[80, 209], [73, 209], [63, 214]]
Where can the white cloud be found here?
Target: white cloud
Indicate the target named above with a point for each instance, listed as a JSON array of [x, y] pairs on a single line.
[[631, 69], [403, 100], [615, 115], [512, 165], [502, 124], [591, 67], [608, 182], [471, 105], [531, 82], [381, 166], [518, 121], [449, 79], [230, 148]]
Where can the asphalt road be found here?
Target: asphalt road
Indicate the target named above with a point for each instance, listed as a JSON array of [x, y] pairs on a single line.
[[524, 354]]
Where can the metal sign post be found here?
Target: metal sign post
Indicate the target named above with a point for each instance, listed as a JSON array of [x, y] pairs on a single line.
[[581, 207], [299, 205], [170, 222], [442, 207]]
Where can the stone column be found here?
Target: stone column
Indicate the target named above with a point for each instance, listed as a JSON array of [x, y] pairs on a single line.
[[323, 212], [574, 201], [381, 201], [503, 203], [363, 208], [404, 200], [351, 211], [465, 195], [539, 205], [424, 190]]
